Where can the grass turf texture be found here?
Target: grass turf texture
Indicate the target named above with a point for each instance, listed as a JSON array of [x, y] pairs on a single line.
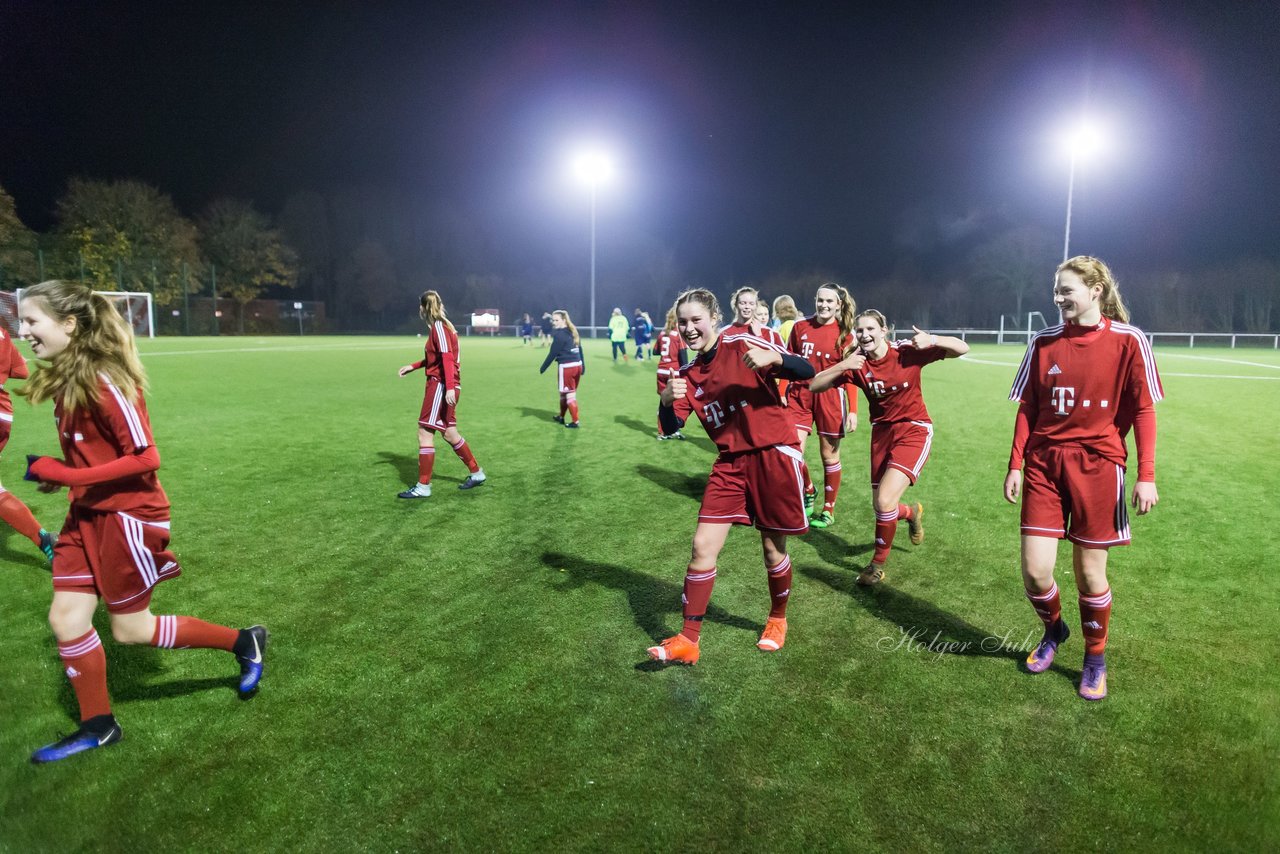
[[468, 671]]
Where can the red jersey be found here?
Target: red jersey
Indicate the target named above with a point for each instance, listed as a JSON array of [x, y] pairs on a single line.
[[767, 333], [892, 382], [670, 345], [1085, 385], [440, 356], [12, 366], [740, 408], [821, 346], [108, 430]]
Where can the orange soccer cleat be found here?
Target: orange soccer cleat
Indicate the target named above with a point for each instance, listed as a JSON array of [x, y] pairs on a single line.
[[676, 650], [914, 526], [774, 634]]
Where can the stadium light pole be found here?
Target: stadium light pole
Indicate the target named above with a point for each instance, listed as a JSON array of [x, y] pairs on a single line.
[[593, 168], [1083, 140]]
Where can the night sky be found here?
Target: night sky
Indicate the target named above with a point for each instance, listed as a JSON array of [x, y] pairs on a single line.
[[750, 137]]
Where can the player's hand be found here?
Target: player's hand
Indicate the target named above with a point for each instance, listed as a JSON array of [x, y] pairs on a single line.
[[675, 390], [851, 422], [48, 488], [1145, 496], [922, 339], [407, 369], [758, 357], [451, 397], [854, 361], [1013, 486]]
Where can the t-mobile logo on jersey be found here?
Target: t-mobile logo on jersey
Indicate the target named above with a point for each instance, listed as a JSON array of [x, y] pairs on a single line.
[[1064, 397], [875, 388], [714, 413], [806, 349]]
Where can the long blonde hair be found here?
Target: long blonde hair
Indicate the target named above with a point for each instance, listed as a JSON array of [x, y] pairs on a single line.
[[670, 325], [573, 330], [101, 343], [1093, 271], [431, 309], [845, 316], [784, 308]]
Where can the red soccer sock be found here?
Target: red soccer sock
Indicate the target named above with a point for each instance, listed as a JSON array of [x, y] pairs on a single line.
[[1048, 606], [190, 633], [18, 516], [564, 405], [779, 587], [886, 527], [426, 462], [86, 666], [463, 450], [831, 486], [904, 513], [697, 595], [573, 409], [1095, 616], [808, 482]]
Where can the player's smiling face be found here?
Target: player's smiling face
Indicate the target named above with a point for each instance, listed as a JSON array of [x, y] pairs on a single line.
[[870, 335], [1077, 302], [697, 326], [48, 337], [825, 304], [746, 307]]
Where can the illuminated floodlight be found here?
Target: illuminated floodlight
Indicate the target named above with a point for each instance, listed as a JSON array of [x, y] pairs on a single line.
[[593, 167], [1084, 139]]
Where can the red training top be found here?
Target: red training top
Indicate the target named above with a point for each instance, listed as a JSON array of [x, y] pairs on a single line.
[[892, 382], [440, 356]]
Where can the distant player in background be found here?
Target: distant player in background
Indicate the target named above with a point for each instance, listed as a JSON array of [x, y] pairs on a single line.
[[823, 339], [442, 366], [114, 544], [566, 351], [1081, 386], [619, 328], [642, 330], [671, 356], [785, 316], [526, 329], [901, 431], [756, 478], [545, 329], [762, 316], [14, 512], [744, 301]]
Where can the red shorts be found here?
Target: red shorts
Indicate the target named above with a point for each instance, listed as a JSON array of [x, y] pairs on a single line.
[[902, 445], [6, 427], [1070, 491], [114, 556], [436, 413], [764, 488], [568, 376], [825, 410]]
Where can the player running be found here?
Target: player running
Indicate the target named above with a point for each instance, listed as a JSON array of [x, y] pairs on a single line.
[[1081, 386], [114, 544], [756, 479], [442, 364], [13, 511], [901, 431], [671, 355], [566, 350], [822, 339]]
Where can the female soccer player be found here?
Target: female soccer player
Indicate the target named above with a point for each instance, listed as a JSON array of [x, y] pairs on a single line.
[[756, 479], [671, 355], [744, 302], [762, 315], [114, 544], [526, 329], [619, 328], [15, 513], [901, 432], [1081, 386], [785, 316], [441, 362], [822, 339], [566, 349]]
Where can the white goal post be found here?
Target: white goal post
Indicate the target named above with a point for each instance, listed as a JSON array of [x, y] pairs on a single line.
[[136, 307]]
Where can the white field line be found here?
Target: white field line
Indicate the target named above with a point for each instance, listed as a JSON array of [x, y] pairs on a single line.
[[298, 348], [1162, 373]]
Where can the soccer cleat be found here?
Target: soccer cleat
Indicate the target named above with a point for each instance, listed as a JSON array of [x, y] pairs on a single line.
[[572, 425], [251, 665], [872, 575], [676, 650], [47, 542], [825, 519], [420, 490], [810, 499], [559, 419], [774, 634], [662, 437], [473, 480], [1093, 682], [1042, 656], [914, 526], [93, 733]]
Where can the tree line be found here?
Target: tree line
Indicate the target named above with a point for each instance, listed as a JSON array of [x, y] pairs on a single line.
[[368, 252]]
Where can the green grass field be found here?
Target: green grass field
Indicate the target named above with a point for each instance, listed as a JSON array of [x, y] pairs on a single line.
[[468, 672]]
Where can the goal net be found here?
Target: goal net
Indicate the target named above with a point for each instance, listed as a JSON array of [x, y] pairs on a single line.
[[135, 307]]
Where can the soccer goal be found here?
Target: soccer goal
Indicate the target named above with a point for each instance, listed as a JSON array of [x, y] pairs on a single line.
[[1011, 328], [136, 307]]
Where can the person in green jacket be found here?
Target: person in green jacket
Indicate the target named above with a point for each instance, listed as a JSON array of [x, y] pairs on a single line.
[[619, 331]]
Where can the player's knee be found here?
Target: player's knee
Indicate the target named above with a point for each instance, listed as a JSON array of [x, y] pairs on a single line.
[[66, 623]]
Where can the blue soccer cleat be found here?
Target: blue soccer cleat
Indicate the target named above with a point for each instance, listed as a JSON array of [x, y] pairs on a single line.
[[47, 542], [96, 732], [253, 644]]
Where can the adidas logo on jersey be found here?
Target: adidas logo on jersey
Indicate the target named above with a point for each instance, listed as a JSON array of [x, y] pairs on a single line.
[[1055, 370], [697, 392]]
